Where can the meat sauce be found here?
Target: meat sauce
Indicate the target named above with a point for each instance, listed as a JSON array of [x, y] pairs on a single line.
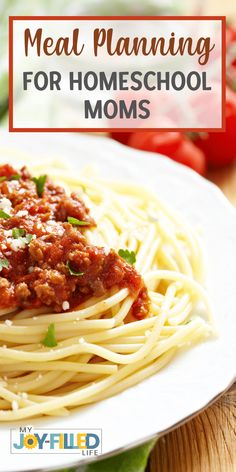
[[46, 261]]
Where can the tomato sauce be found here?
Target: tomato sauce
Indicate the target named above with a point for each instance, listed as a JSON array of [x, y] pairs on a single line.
[[44, 259]]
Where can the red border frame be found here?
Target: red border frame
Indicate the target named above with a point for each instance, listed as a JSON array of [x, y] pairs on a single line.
[[123, 130]]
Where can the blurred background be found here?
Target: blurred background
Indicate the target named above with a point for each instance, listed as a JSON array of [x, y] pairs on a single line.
[[75, 7]]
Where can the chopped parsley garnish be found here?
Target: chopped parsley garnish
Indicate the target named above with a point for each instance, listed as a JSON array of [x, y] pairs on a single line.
[[72, 271], [76, 222], [3, 264], [128, 256], [15, 177], [28, 238], [18, 232], [40, 183], [21, 233], [12, 177], [4, 215], [50, 338]]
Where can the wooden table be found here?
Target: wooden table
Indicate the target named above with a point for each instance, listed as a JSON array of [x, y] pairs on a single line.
[[207, 443]]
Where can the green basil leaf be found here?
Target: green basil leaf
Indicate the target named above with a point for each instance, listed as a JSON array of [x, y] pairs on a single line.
[[40, 183], [50, 338], [12, 177], [3, 264], [18, 232], [128, 256], [72, 271], [15, 177], [4, 215], [76, 222]]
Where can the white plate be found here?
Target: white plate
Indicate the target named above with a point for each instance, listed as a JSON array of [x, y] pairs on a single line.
[[195, 377]]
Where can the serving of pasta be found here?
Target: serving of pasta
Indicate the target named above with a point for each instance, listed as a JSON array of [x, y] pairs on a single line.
[[101, 285]]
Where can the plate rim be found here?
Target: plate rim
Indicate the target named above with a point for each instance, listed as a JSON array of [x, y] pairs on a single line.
[[135, 444], [180, 169]]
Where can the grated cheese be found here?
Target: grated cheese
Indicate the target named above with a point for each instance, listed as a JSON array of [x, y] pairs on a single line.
[[65, 305], [22, 213], [17, 244], [8, 322], [5, 205]]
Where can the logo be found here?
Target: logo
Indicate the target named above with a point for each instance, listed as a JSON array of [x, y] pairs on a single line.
[[83, 442]]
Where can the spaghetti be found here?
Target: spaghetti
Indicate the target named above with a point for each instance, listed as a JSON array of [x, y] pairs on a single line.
[[128, 296]]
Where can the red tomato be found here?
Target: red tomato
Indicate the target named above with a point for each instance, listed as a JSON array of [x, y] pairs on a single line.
[[189, 155], [220, 147], [165, 142], [172, 144], [7, 171], [121, 137], [230, 34]]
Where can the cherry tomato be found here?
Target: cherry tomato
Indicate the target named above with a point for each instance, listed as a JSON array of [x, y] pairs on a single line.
[[164, 142], [172, 144], [230, 34], [189, 155], [7, 171], [220, 147], [121, 137]]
